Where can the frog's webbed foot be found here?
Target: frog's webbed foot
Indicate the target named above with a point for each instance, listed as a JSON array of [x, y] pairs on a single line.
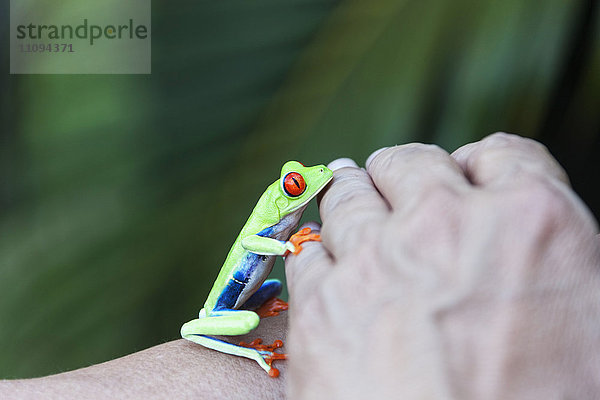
[[267, 352], [271, 308], [303, 235]]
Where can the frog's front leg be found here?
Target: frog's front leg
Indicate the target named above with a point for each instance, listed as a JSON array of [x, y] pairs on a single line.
[[267, 246], [230, 322], [265, 300]]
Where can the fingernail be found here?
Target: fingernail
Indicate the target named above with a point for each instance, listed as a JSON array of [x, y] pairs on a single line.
[[373, 155], [342, 163]]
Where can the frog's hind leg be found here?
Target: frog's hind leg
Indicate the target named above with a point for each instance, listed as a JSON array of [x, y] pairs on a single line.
[[265, 302], [270, 288], [229, 322], [222, 322], [230, 348]]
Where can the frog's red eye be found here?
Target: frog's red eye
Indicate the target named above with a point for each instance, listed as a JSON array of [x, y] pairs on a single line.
[[294, 184]]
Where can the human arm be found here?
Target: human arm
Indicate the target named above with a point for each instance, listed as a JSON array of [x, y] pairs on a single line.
[[173, 370]]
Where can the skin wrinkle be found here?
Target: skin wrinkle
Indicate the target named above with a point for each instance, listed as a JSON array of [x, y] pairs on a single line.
[[422, 351], [437, 229], [425, 168], [301, 340], [454, 303], [357, 206], [544, 238], [340, 242]]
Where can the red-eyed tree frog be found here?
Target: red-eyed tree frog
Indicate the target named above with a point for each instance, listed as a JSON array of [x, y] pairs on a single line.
[[241, 286]]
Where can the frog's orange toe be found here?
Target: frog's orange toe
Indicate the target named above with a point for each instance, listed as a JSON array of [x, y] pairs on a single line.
[[303, 235], [256, 344], [268, 353], [271, 307]]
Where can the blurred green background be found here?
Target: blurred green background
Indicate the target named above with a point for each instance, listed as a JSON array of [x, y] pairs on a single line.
[[120, 195]]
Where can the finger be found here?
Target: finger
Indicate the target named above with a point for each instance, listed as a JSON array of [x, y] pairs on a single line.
[[350, 203], [504, 159], [407, 174], [374, 154], [342, 163], [306, 269], [334, 165]]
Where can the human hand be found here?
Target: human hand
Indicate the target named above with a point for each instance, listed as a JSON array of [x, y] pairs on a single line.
[[471, 275]]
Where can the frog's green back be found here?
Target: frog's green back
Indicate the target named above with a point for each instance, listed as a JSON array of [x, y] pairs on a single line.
[[264, 214]]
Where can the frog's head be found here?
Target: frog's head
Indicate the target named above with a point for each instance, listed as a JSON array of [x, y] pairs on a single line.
[[299, 184]]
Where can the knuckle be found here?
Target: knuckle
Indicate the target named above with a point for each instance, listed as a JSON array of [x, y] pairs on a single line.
[[516, 158], [503, 139], [406, 152], [411, 148], [464, 150], [346, 190], [539, 203]]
